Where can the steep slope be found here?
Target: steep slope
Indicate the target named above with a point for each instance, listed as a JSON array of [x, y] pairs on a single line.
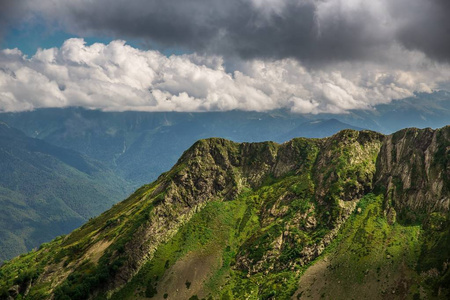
[[245, 221], [398, 244], [414, 171], [46, 191], [369, 259]]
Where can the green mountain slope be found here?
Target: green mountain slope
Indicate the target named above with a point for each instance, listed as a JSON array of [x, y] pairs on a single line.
[[265, 221], [46, 191]]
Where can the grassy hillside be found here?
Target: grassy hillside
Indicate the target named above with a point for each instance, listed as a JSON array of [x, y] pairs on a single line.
[[369, 259], [46, 191]]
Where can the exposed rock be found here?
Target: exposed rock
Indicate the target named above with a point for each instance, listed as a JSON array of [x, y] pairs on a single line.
[[311, 223], [14, 291], [413, 169], [410, 167]]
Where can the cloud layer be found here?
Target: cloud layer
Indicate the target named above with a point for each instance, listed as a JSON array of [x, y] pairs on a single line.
[[119, 77], [312, 31], [309, 56]]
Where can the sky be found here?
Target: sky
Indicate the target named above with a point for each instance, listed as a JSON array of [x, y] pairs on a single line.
[[306, 56]]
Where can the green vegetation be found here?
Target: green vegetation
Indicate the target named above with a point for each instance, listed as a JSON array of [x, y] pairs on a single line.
[[369, 258], [217, 235], [142, 145], [26, 268], [241, 234], [69, 252], [46, 191], [250, 221], [435, 252]]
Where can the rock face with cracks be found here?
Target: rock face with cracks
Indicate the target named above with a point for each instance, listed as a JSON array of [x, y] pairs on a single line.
[[414, 170]]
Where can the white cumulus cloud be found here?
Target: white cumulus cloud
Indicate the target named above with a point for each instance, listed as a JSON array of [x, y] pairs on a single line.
[[118, 77]]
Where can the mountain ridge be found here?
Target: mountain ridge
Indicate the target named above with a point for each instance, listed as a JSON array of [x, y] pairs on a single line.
[[272, 210]]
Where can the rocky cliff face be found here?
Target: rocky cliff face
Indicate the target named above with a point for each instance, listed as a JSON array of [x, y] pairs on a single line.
[[413, 170], [270, 209]]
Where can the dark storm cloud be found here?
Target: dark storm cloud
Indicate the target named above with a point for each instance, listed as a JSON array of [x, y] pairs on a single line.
[[223, 27], [10, 12], [308, 30], [424, 25]]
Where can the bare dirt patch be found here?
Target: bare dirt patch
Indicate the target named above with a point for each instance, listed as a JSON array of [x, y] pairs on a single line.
[[322, 281], [96, 251], [309, 285], [187, 277]]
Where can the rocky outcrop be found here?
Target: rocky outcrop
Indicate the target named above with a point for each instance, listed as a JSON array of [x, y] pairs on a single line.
[[413, 171], [339, 172], [211, 169], [346, 165]]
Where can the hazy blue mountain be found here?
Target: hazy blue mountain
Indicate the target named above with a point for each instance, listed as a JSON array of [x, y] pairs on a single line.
[[317, 129], [423, 110], [46, 191], [142, 145]]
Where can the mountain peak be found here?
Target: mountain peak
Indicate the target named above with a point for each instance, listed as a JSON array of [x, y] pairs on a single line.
[[242, 211]]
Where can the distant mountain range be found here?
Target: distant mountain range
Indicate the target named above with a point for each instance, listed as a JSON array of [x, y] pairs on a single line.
[[423, 110], [46, 191], [139, 146]]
